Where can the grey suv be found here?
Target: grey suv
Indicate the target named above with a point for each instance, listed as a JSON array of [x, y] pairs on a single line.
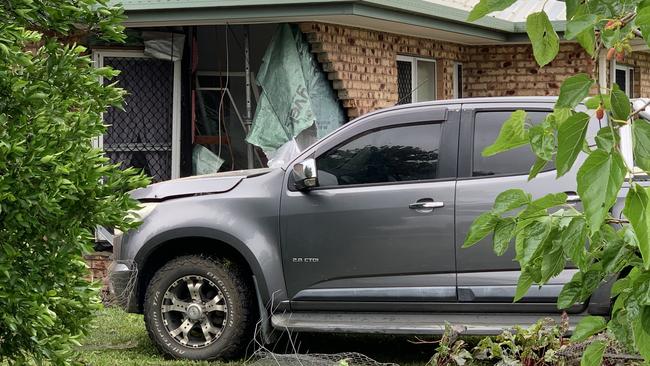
[[361, 233]]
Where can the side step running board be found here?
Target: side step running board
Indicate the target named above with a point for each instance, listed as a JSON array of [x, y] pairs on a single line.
[[410, 323]]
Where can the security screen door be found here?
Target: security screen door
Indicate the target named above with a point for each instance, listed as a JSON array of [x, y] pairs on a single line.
[[145, 134]]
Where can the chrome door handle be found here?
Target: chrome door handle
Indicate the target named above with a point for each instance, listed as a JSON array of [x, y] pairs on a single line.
[[572, 197], [426, 205]]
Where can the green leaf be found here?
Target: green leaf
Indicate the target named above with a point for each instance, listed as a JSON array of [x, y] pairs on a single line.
[[641, 138], [539, 165], [503, 234], [613, 255], [610, 37], [595, 101], [529, 239], [587, 40], [593, 355], [571, 136], [574, 90], [512, 135], [46, 159], [570, 292], [542, 142], [621, 285], [509, 200], [606, 139], [643, 17], [579, 24], [599, 180], [587, 327], [485, 7], [543, 203], [637, 211], [552, 264], [591, 280], [546, 43], [572, 7], [619, 327], [481, 227], [574, 238], [523, 285], [641, 330], [621, 107], [645, 32], [559, 115]]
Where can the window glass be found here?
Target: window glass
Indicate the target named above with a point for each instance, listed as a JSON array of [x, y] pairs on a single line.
[[426, 80], [621, 80], [486, 129], [397, 154], [624, 77]]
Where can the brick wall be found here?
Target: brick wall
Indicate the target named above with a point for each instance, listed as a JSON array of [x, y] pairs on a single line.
[[504, 70], [641, 63], [361, 64], [98, 263]]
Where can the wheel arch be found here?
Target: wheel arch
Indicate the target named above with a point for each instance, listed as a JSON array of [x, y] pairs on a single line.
[[195, 240]]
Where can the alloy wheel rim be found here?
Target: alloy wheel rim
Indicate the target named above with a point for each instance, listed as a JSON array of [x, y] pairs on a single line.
[[194, 311]]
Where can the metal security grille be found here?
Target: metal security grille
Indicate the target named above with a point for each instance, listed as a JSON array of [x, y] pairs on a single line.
[[404, 81], [141, 135]]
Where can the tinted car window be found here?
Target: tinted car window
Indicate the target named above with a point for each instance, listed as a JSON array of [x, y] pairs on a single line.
[[486, 129], [396, 154]]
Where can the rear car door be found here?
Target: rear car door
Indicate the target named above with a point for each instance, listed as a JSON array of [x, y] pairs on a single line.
[[484, 278], [364, 239]]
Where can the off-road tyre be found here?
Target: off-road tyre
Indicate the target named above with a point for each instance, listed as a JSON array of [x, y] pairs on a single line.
[[237, 329]]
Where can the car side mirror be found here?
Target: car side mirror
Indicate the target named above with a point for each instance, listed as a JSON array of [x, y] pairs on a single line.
[[304, 175]]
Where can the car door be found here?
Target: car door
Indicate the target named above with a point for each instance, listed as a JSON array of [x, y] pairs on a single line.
[[379, 228], [483, 277]]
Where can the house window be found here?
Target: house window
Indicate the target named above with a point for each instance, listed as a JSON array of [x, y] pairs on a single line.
[[416, 79], [625, 79], [458, 80]]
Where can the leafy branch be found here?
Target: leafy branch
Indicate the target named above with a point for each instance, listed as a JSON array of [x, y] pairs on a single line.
[[547, 232]]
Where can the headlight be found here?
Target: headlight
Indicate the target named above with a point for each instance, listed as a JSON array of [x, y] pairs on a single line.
[[145, 210]]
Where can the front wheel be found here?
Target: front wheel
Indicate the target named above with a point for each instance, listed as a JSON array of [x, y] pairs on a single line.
[[198, 308]]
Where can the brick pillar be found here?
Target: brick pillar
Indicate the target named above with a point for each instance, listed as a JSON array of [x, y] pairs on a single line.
[[98, 263], [360, 63]]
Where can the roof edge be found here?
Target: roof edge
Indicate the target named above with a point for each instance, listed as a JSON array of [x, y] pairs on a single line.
[[405, 11]]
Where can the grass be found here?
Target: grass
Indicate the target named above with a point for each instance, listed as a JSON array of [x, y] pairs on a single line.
[[118, 338]]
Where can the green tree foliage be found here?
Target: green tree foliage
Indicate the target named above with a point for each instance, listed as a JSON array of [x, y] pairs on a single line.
[[54, 186], [548, 232]]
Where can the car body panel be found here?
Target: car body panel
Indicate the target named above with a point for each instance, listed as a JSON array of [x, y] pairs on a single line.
[[185, 187], [357, 243], [245, 218], [483, 276]]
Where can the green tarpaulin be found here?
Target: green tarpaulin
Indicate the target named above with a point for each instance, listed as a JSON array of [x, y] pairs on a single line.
[[296, 94]]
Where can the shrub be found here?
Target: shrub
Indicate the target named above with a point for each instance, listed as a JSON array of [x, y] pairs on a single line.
[[55, 188]]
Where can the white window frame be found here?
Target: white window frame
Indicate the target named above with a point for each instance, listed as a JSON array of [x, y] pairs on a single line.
[[625, 132], [414, 77], [98, 58], [456, 81], [629, 77]]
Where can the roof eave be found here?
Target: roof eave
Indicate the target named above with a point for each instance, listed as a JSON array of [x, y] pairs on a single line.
[[412, 12]]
